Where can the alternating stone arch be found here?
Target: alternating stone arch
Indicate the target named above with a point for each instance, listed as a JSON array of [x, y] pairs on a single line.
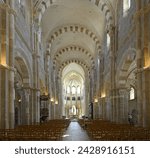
[[22, 68], [106, 8], [127, 66], [77, 61], [71, 49], [104, 5], [75, 29], [24, 61]]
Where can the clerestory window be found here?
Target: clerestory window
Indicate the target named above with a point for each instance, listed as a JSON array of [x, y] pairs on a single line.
[[126, 6], [132, 93]]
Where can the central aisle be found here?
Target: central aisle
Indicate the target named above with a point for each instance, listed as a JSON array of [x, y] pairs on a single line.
[[75, 133]]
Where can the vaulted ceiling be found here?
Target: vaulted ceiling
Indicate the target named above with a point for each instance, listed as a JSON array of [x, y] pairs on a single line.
[[73, 30]]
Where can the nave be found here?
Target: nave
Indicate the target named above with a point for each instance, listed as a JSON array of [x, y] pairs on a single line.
[[73, 130], [64, 59]]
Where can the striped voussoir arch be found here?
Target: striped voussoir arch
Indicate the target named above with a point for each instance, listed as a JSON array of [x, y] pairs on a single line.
[[73, 48], [40, 7], [77, 61]]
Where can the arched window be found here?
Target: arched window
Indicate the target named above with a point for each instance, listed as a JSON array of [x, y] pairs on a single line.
[[108, 41], [22, 7], [73, 90], [132, 93], [126, 6], [68, 89], [78, 90]]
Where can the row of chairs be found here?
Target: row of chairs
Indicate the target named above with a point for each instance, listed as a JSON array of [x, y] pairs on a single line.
[[106, 130], [52, 130]]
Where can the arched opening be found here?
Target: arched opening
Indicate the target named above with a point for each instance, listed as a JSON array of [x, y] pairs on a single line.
[[127, 85], [73, 91], [44, 102], [132, 93], [108, 41], [126, 6], [21, 100]]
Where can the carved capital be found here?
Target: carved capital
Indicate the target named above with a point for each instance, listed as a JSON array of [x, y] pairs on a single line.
[[6, 7]]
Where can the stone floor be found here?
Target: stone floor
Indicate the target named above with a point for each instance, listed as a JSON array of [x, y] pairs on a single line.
[[75, 133]]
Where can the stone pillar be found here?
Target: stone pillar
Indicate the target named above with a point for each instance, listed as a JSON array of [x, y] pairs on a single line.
[[52, 92], [30, 106], [146, 97], [11, 64], [57, 94], [86, 97], [96, 105], [103, 101], [101, 86], [122, 106], [64, 103], [36, 90], [139, 91], [146, 71], [4, 101], [49, 110], [57, 108], [60, 103], [111, 32], [36, 105], [7, 30], [48, 80], [27, 105], [139, 63], [36, 84], [50, 88]]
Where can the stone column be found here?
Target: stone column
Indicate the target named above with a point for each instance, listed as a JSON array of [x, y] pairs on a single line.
[[36, 105], [27, 105], [140, 57], [54, 91], [60, 103], [86, 96], [96, 110], [139, 91], [52, 94], [146, 71], [4, 101], [122, 106], [146, 97], [57, 110], [64, 103], [11, 63], [57, 93], [7, 64], [31, 107], [103, 100], [92, 89], [36, 90], [111, 32], [48, 80], [36, 84], [101, 86], [143, 61]]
